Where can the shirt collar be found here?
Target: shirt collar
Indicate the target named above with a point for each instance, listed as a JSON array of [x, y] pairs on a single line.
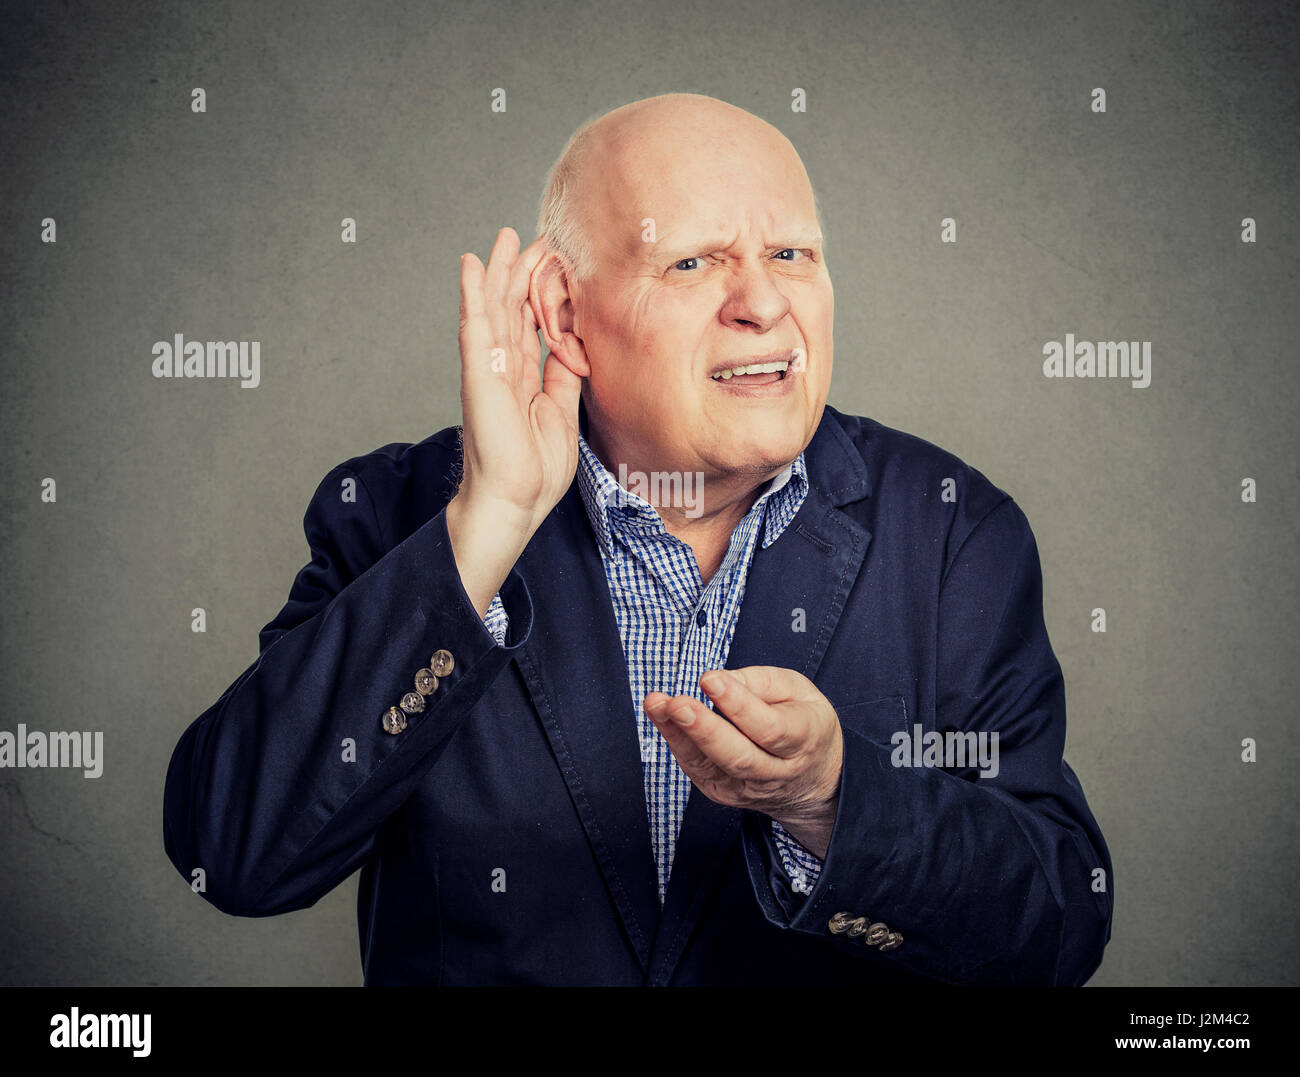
[[614, 510]]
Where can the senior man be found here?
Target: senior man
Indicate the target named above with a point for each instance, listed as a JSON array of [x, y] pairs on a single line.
[[778, 707]]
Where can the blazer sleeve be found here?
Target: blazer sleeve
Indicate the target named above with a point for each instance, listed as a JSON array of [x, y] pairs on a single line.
[[990, 880], [277, 790]]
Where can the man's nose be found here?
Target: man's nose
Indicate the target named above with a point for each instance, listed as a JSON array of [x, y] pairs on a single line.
[[754, 297]]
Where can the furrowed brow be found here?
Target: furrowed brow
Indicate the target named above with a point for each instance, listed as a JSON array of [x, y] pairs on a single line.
[[804, 239], [676, 250]]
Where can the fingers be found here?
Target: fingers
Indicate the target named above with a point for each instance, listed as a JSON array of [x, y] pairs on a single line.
[[475, 331], [504, 252], [508, 274], [775, 684], [500, 261], [501, 353], [519, 306], [521, 275], [701, 739], [494, 312], [778, 730]]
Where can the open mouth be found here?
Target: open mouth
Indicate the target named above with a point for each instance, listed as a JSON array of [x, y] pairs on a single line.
[[762, 373]]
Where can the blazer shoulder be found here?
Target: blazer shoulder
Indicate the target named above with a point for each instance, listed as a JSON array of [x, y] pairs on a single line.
[[915, 478], [406, 483]]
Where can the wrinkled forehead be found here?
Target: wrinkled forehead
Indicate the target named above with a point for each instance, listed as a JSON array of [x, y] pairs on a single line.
[[696, 183]]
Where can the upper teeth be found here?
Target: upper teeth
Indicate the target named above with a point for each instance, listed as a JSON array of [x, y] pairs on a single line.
[[753, 368]]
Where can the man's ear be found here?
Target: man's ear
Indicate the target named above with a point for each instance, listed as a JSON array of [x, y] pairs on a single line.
[[552, 302]]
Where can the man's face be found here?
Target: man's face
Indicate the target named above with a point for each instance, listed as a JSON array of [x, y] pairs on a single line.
[[730, 273]]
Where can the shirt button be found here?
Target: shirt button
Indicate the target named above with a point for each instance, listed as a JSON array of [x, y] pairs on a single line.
[[702, 618]]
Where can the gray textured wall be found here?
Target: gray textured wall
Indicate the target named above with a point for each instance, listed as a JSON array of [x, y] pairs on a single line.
[[225, 225]]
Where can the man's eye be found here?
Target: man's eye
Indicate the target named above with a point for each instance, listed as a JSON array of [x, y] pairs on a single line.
[[792, 252], [684, 264]]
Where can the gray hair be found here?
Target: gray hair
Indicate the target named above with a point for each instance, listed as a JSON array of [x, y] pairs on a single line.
[[561, 218]]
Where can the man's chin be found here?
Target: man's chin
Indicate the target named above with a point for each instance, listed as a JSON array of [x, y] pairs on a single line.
[[765, 442], [763, 461]]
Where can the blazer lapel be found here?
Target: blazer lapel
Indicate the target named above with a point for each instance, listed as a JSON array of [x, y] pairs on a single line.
[[576, 673], [811, 567]]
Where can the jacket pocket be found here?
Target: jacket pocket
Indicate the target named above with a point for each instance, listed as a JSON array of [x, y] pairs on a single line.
[[875, 719]]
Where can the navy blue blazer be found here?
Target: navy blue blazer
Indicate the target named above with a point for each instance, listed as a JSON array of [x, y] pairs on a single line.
[[502, 836]]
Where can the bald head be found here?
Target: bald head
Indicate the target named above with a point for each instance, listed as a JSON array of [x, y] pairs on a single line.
[[612, 157]]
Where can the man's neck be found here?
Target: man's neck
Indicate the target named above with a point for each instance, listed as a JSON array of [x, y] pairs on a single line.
[[706, 527]]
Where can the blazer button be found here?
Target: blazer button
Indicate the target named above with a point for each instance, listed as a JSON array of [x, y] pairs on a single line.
[[857, 928], [894, 941], [425, 682], [839, 923], [412, 703], [394, 720], [441, 663], [876, 934]]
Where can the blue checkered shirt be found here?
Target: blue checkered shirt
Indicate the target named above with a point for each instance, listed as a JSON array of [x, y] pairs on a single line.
[[674, 627]]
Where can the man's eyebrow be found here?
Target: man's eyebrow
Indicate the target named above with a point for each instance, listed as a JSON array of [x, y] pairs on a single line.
[[797, 238], [664, 248]]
